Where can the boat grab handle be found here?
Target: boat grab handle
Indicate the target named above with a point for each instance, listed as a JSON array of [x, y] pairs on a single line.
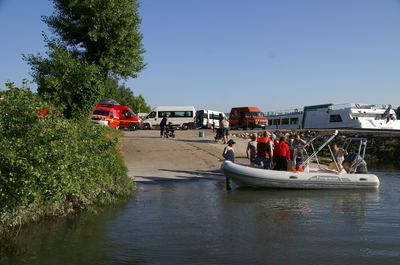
[[293, 177]]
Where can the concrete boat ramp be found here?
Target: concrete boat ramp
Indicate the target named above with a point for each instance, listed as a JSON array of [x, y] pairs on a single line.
[[149, 157]]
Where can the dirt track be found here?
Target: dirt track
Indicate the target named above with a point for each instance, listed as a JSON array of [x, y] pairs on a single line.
[[149, 157]]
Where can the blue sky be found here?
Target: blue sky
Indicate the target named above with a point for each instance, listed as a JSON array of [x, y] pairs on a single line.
[[217, 54]]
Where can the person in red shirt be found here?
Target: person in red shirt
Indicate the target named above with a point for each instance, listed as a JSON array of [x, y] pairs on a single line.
[[281, 154]]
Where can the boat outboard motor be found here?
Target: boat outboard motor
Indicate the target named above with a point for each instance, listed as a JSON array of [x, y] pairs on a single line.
[[354, 163]]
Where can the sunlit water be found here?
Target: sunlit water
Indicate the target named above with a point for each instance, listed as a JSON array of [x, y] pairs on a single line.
[[198, 222]]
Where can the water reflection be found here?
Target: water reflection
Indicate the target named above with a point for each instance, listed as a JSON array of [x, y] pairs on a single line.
[[59, 241]]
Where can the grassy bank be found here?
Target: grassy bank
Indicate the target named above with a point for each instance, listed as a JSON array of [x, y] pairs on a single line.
[[50, 166]]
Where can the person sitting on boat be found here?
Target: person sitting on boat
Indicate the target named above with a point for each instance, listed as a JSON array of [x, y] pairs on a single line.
[[338, 157], [251, 149], [229, 152], [298, 146], [264, 151], [389, 114], [281, 154], [391, 117]]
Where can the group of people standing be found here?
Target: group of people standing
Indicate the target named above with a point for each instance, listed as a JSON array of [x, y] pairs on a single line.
[[269, 152], [272, 153], [283, 153]]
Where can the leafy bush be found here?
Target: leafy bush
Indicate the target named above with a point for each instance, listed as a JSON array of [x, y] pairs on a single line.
[[50, 165]]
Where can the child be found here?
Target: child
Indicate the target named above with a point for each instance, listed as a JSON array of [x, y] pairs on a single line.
[[229, 153]]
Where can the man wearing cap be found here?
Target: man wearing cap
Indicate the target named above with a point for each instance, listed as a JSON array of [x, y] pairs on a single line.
[[229, 153]]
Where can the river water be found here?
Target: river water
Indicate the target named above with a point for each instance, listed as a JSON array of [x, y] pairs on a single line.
[[199, 222]]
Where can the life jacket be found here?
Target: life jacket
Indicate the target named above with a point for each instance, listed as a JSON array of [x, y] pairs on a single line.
[[263, 147], [263, 139]]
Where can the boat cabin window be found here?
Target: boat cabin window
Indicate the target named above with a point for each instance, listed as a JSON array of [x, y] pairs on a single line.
[[285, 121], [277, 122], [294, 120], [335, 118], [270, 122]]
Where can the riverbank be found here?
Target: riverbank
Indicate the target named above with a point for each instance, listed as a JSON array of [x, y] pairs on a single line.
[[149, 157]]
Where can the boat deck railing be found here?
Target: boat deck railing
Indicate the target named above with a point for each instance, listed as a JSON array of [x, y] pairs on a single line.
[[331, 107], [283, 112], [358, 106]]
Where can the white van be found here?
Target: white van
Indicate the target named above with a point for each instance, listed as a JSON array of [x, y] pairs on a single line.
[[180, 116], [208, 118]]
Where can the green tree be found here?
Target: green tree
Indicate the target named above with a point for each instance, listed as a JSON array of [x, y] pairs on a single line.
[[103, 32], [141, 105], [94, 40], [73, 85], [125, 96]]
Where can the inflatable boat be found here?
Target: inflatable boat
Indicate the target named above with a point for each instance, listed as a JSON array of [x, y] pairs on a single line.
[[353, 173], [245, 176]]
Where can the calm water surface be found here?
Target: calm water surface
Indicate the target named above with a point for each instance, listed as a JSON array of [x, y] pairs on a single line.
[[198, 222]]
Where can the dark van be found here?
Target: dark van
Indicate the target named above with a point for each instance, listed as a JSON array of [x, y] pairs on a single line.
[[247, 118]]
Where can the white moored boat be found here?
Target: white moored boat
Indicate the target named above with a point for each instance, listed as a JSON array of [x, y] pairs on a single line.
[[329, 116], [314, 176]]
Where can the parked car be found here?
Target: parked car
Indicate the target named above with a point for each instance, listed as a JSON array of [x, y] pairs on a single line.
[[116, 116]]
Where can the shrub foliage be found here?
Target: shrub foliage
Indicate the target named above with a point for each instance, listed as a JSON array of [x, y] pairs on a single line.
[[50, 165]]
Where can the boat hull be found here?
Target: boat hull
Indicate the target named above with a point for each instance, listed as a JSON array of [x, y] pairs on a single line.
[[245, 176]]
